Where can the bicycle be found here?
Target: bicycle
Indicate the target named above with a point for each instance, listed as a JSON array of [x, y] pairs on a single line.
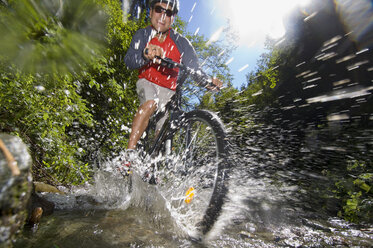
[[194, 149]]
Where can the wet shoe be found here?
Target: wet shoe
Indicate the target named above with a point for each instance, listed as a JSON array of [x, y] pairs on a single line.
[[127, 161], [125, 169]]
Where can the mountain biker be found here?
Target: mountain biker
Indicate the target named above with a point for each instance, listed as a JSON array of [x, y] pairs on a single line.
[[157, 84]]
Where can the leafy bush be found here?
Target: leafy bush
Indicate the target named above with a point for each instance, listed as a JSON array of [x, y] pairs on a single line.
[[356, 192], [64, 89], [63, 85], [39, 109]]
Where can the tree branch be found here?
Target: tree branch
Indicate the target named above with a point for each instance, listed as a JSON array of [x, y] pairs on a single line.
[[12, 163]]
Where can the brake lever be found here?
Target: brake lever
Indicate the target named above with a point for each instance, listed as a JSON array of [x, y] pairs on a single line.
[[205, 80]]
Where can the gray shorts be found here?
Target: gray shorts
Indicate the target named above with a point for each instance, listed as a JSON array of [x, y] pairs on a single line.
[[147, 90]]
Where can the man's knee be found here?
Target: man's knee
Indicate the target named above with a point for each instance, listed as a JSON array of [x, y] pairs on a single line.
[[150, 104], [148, 107]]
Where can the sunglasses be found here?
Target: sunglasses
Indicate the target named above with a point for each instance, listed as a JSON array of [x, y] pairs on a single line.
[[159, 9]]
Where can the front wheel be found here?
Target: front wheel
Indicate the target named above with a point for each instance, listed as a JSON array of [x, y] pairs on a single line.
[[199, 169]]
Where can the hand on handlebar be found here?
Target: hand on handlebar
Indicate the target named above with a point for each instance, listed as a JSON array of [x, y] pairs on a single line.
[[153, 52]]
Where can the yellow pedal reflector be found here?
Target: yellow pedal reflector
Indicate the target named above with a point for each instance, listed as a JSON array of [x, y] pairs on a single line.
[[189, 195]]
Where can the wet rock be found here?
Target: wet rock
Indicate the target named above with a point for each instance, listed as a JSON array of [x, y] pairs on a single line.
[[368, 230], [35, 217], [245, 235], [38, 206], [15, 190], [315, 225], [38, 202], [43, 187]]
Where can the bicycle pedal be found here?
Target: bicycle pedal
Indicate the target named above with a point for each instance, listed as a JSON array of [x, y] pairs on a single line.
[[125, 171]]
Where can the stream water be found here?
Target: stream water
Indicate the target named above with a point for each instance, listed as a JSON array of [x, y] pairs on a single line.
[[281, 182], [268, 205]]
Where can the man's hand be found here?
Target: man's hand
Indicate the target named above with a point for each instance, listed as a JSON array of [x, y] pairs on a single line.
[[151, 52], [217, 84]]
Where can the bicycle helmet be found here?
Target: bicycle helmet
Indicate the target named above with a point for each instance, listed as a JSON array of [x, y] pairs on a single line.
[[174, 3]]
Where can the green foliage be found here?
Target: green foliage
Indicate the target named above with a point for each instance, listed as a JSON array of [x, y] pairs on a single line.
[[236, 107], [261, 83], [213, 57], [39, 109], [355, 191], [63, 94], [246, 111], [64, 88], [110, 89], [52, 36]]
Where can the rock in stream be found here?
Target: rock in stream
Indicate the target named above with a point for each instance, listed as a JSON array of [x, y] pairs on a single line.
[[15, 190]]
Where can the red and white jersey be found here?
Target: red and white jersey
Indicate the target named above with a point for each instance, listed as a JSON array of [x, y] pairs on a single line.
[[158, 74]]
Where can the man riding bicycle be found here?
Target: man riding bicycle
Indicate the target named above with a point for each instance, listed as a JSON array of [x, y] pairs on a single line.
[[157, 84]]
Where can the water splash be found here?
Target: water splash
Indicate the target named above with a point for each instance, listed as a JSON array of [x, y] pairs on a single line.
[[196, 32], [215, 36], [243, 68], [194, 5], [229, 61]]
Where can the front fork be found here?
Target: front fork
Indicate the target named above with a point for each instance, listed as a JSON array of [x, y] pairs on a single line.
[[168, 147], [163, 144], [176, 119]]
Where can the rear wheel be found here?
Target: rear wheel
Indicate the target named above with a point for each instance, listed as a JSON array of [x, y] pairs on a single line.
[[197, 166]]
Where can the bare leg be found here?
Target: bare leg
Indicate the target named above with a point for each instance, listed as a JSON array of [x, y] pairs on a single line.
[[140, 122]]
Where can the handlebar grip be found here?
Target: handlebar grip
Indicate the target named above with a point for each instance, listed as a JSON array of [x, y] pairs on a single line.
[[166, 62]]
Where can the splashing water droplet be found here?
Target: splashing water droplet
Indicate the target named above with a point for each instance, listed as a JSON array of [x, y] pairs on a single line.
[[243, 68], [40, 88], [196, 32], [215, 36], [194, 5], [229, 61]]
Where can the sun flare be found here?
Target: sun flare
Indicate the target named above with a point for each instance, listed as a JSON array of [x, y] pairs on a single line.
[[254, 20]]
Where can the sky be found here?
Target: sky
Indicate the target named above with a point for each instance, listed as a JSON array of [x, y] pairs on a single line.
[[252, 20]]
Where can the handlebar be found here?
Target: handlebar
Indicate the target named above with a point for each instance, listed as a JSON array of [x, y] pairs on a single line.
[[197, 75], [167, 62]]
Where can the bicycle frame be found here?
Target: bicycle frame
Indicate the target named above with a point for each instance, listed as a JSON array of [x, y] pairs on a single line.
[[183, 128], [173, 107]]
